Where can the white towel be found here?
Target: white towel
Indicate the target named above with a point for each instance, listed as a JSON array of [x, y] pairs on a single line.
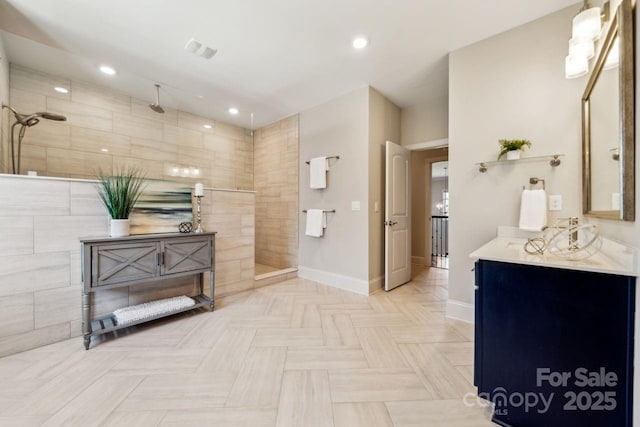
[[318, 172], [533, 210], [151, 309], [316, 222]]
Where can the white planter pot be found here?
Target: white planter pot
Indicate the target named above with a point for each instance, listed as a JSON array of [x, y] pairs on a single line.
[[120, 228], [513, 155]]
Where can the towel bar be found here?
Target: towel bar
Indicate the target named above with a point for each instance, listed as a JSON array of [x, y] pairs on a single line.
[[328, 157], [331, 211], [534, 181]]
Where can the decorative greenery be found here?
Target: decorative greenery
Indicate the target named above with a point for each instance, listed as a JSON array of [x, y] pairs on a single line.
[[120, 192], [507, 145]]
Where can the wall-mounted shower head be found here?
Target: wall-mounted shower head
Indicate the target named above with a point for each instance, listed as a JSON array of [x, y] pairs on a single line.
[[156, 107], [26, 121], [32, 119]]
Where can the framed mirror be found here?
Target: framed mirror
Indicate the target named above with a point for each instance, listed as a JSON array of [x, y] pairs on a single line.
[[608, 128]]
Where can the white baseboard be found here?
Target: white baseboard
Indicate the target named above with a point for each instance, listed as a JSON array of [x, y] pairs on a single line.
[[420, 260], [376, 284], [460, 311], [339, 281]]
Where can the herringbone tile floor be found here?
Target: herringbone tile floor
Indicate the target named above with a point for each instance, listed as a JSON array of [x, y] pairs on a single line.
[[291, 354]]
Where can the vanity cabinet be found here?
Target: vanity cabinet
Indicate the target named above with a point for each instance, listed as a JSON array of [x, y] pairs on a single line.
[[554, 346], [136, 260]]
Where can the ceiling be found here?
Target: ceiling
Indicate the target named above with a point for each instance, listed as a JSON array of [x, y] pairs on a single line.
[[275, 58]]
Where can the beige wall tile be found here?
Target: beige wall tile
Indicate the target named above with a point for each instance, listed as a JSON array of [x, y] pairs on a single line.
[[149, 152], [137, 127], [82, 115], [184, 137], [54, 234], [17, 314], [33, 197], [276, 184], [49, 133], [193, 121], [32, 339], [94, 141], [37, 82], [17, 235], [73, 163], [96, 96], [25, 101], [85, 200], [26, 273], [34, 158], [57, 306], [99, 117]]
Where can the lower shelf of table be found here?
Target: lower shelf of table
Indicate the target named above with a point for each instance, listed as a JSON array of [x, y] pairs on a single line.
[[108, 323]]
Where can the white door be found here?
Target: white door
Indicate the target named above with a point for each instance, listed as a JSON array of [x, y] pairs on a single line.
[[397, 244]]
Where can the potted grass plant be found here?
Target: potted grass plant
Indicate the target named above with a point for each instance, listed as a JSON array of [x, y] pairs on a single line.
[[512, 148], [119, 193]]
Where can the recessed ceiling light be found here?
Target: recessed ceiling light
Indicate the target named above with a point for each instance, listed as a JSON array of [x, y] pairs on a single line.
[[207, 126], [108, 70], [104, 150], [233, 110], [61, 89], [360, 42]]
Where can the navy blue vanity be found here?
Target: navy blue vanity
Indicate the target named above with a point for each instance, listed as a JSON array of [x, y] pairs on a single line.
[[554, 346]]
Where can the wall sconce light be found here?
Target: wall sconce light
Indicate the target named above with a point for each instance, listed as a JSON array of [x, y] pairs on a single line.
[[586, 29], [183, 171], [575, 66]]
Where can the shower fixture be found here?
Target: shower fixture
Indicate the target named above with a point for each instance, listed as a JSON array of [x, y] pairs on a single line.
[[156, 107], [25, 121]]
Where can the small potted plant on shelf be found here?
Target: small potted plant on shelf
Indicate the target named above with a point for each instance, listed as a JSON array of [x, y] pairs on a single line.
[[512, 148], [119, 193]]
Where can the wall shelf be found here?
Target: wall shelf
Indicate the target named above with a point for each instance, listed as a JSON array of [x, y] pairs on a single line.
[[554, 161]]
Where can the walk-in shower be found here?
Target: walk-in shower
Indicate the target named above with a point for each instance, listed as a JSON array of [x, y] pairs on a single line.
[[25, 121]]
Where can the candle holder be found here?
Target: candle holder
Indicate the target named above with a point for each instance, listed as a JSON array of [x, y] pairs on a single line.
[[199, 228]]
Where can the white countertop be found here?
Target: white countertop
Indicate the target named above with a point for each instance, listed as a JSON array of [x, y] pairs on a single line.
[[614, 258]]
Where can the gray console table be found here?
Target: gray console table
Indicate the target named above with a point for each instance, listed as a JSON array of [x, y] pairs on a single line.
[[109, 263]]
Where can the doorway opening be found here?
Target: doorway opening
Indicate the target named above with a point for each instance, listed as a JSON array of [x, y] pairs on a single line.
[[439, 211]]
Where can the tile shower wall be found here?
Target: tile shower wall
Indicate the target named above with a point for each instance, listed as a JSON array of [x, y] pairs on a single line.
[[41, 223], [276, 184], [99, 118]]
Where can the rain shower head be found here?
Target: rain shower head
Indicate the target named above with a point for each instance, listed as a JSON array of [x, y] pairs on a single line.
[[156, 107]]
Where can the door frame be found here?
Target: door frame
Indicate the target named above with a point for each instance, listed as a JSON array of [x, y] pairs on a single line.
[[427, 204]]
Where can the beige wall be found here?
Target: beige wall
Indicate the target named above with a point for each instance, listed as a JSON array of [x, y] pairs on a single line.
[[4, 114], [384, 125], [420, 193], [509, 86], [355, 127], [425, 122], [338, 127], [276, 183], [41, 222], [134, 135]]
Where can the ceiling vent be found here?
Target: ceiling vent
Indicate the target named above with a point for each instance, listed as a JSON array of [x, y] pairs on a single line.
[[197, 48]]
